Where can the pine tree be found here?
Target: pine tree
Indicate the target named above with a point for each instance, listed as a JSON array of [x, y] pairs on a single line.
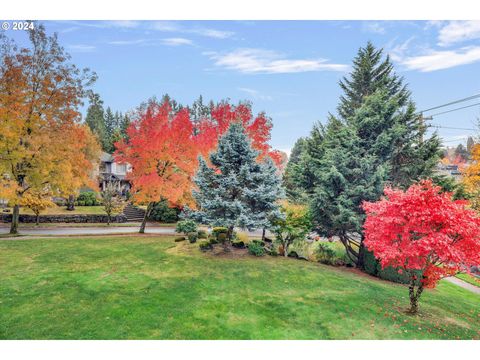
[[347, 175], [461, 152], [124, 124], [236, 191], [95, 117], [470, 143], [292, 178], [370, 73], [377, 138], [110, 128]]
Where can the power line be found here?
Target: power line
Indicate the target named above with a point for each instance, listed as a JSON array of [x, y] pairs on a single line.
[[456, 109], [459, 139], [451, 127], [452, 103]]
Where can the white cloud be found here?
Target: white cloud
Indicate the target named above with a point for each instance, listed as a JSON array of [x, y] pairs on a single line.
[[437, 60], [169, 26], [128, 42], [81, 48], [458, 31], [176, 41], [255, 94], [373, 27], [165, 26], [251, 61], [127, 24]]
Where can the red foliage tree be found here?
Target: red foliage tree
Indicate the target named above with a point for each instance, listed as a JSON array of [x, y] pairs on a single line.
[[422, 231], [222, 115], [163, 154], [162, 147]]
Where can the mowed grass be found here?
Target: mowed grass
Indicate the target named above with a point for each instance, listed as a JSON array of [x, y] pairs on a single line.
[[469, 279], [150, 287]]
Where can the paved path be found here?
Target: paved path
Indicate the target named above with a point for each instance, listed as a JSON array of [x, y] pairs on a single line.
[[92, 230], [463, 284]]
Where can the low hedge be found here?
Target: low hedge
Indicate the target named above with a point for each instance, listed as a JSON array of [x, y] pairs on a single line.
[[372, 266]]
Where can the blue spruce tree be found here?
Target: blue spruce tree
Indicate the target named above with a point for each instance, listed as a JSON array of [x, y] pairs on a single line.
[[236, 190]]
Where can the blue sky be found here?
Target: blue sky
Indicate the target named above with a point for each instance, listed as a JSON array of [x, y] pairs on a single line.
[[289, 69]]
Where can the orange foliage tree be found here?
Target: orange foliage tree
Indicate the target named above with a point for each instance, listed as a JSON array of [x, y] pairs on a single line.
[[163, 154], [163, 148], [43, 146], [471, 177]]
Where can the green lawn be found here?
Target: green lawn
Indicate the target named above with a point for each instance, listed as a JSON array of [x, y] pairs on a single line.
[[149, 287], [469, 278]]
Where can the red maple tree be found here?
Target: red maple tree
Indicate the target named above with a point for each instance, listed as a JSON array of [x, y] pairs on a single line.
[[422, 231], [163, 154], [222, 115]]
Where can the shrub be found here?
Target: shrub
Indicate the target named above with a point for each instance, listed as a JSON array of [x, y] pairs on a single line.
[[180, 238], [81, 203], [219, 230], [162, 212], [186, 226], [243, 237], [88, 197], [256, 248], [192, 236], [205, 245], [273, 252], [202, 234], [293, 224], [326, 254], [238, 244], [213, 240], [372, 266], [221, 238], [293, 254]]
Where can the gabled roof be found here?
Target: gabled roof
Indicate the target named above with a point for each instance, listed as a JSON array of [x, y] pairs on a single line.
[[106, 157]]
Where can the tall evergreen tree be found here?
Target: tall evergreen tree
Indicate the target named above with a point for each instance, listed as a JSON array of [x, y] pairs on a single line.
[[347, 175], [461, 152], [470, 143], [377, 138], [124, 124], [292, 178], [370, 73], [95, 117], [236, 191], [110, 129]]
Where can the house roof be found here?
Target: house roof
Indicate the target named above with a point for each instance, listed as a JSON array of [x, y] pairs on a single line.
[[106, 157]]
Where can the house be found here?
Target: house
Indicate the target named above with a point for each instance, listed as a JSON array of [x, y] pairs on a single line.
[[113, 172], [452, 170]]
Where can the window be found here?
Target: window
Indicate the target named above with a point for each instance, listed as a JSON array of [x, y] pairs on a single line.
[[121, 168]]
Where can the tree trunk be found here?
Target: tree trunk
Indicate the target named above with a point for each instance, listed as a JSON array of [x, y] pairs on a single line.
[[37, 219], [263, 234], [414, 296], [285, 249], [230, 234], [15, 216], [108, 220], [71, 203], [361, 256], [145, 217]]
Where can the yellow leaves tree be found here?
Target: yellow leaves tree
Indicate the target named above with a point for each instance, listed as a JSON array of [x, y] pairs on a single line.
[[37, 202], [112, 201], [471, 177], [43, 145]]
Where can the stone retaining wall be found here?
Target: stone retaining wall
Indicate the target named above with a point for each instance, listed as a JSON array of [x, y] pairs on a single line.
[[74, 218]]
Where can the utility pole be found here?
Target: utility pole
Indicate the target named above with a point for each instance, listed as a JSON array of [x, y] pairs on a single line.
[[421, 120]]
